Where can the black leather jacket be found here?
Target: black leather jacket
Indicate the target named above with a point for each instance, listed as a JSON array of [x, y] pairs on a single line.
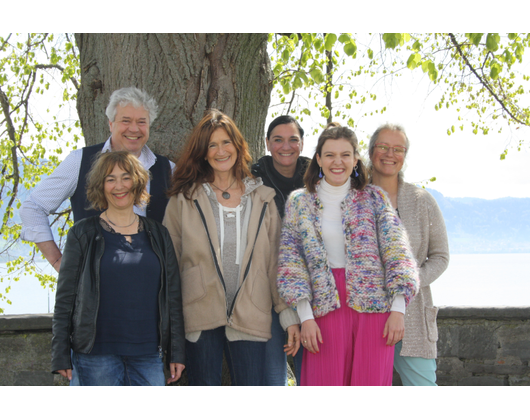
[[77, 297]]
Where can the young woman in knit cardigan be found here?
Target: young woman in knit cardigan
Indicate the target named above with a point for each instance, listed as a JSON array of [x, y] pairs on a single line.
[[414, 357], [346, 266]]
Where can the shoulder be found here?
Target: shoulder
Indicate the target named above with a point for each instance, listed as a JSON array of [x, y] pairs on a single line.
[[259, 167], [374, 192], [86, 226], [419, 194]]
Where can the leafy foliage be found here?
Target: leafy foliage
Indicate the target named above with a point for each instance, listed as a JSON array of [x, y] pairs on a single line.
[[32, 132]]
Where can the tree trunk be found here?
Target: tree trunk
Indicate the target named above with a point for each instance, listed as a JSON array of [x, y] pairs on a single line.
[[186, 73]]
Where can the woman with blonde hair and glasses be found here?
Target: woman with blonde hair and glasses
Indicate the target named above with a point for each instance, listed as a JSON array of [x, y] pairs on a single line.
[[346, 266], [415, 355], [225, 228], [118, 304]]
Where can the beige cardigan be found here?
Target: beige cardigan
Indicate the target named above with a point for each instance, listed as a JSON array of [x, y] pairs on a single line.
[[203, 294], [425, 226]]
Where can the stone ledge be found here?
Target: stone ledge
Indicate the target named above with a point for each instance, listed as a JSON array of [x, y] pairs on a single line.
[[30, 322], [495, 313]]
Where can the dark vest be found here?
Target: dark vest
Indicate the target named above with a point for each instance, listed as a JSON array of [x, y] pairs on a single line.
[[160, 178]]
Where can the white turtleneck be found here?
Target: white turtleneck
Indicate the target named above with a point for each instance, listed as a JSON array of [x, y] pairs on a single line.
[[331, 198]]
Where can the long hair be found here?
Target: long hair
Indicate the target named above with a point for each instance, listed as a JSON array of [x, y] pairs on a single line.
[[335, 132], [192, 167], [103, 166]]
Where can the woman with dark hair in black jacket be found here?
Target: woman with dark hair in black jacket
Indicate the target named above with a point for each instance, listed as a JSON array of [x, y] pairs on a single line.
[[284, 171], [118, 303]]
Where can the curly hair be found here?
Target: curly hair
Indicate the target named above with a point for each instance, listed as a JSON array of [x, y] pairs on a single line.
[[192, 167], [103, 166]]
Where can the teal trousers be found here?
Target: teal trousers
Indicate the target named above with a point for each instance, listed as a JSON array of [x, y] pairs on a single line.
[[414, 371]]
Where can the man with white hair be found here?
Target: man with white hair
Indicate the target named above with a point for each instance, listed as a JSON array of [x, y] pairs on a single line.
[[130, 111]]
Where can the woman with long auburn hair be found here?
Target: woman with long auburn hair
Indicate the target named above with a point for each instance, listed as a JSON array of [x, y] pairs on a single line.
[[346, 266], [225, 229]]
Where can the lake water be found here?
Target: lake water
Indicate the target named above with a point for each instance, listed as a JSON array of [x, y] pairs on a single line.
[[470, 280]]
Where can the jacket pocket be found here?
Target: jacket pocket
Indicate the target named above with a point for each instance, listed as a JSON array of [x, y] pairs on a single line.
[[430, 320], [192, 285], [261, 293]]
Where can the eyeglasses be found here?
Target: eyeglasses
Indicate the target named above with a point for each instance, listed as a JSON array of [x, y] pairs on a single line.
[[398, 150]]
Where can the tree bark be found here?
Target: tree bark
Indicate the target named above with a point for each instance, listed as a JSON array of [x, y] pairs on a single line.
[[186, 73]]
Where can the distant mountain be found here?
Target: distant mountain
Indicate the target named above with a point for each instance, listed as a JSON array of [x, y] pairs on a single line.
[[476, 225]]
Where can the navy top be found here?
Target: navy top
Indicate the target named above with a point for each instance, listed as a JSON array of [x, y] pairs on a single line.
[[128, 319]]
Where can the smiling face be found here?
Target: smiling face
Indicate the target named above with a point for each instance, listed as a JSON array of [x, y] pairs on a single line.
[[388, 163], [337, 161], [285, 145], [118, 189], [130, 129], [222, 153]]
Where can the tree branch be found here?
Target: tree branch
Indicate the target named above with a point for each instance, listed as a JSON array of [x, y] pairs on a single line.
[[482, 81]]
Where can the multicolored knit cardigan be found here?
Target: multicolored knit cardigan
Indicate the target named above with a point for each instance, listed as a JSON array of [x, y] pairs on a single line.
[[379, 261]]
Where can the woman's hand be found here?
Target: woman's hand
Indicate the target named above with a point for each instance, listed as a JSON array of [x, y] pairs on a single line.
[[311, 336], [176, 371], [293, 340], [66, 373], [394, 328]]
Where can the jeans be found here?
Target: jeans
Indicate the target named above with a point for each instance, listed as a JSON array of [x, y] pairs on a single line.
[[115, 370], [275, 358], [298, 364], [204, 360]]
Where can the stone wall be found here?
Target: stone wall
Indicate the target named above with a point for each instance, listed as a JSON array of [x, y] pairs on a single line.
[[477, 346]]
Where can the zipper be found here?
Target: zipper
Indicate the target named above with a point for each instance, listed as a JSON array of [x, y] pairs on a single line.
[[216, 262], [247, 269], [155, 250], [99, 237]]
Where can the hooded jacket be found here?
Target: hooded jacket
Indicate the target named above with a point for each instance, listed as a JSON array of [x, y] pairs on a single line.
[[193, 229]]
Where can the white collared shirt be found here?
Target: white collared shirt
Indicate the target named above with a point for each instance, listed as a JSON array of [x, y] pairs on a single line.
[[52, 191]]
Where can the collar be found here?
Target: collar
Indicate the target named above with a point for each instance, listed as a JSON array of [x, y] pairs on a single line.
[[147, 157]]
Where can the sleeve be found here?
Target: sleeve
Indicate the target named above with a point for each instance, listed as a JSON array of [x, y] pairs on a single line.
[[293, 279], [438, 252], [47, 197], [287, 315], [401, 273], [71, 264], [176, 315]]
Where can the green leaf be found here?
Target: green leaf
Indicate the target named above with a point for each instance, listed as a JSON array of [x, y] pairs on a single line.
[[330, 41], [492, 42], [413, 61], [474, 38], [370, 54], [350, 48], [317, 75], [344, 38]]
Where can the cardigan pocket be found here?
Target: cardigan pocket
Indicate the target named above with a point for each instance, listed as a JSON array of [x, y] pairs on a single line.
[[430, 320], [192, 285]]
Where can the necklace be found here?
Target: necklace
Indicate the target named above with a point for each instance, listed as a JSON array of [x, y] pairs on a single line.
[[114, 224], [225, 194]]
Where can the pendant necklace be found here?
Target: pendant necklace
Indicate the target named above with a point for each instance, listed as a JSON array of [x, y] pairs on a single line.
[[225, 194], [114, 224]]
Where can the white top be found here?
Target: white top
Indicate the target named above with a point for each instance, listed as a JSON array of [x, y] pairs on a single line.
[[52, 191], [331, 197]]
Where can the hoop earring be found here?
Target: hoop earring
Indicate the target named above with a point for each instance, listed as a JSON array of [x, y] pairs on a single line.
[[320, 173], [355, 169]]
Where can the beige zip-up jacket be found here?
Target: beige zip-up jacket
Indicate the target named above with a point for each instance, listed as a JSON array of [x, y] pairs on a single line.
[[193, 230]]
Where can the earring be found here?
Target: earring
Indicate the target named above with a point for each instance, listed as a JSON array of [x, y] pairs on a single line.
[[355, 169], [320, 173]]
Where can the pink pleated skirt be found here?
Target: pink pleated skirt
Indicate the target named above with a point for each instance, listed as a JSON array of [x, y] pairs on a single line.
[[354, 352]]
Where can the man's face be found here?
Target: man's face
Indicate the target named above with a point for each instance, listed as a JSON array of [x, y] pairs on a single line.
[[130, 129]]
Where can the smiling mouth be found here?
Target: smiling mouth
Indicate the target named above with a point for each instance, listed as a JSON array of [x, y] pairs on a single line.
[[223, 159], [286, 154], [336, 171], [386, 162], [131, 138], [121, 195]]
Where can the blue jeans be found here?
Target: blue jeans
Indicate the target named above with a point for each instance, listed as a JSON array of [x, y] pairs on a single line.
[[298, 364], [275, 358], [204, 360], [115, 370]]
